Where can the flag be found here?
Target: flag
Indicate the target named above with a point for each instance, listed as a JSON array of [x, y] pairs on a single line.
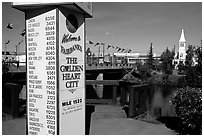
[[10, 26], [23, 32], [108, 46], [96, 44], [129, 51], [122, 50], [116, 47], [90, 42], [8, 42], [119, 49]]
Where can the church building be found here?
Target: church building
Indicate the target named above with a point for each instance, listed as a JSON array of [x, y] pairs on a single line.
[[180, 56]]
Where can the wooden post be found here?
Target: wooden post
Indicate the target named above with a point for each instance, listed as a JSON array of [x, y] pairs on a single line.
[[14, 94], [132, 104], [122, 95], [114, 98]]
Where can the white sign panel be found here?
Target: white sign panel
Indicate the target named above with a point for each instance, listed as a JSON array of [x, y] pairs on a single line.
[[41, 74], [71, 74]]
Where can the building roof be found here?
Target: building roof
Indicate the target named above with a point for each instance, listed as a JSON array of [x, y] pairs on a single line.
[[182, 38]]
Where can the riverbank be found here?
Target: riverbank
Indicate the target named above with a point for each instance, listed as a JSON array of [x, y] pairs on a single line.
[[164, 79]]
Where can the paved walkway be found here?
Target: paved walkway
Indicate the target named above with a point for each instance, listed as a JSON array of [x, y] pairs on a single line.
[[14, 126], [111, 120], [106, 120]]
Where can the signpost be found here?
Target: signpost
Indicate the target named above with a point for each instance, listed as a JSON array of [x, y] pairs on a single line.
[[55, 50]]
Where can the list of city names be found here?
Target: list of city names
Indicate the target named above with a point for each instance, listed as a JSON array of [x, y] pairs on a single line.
[[41, 72]]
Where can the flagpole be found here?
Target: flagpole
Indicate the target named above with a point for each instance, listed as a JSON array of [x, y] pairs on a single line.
[[5, 43], [103, 53], [5, 51], [98, 53], [17, 53]]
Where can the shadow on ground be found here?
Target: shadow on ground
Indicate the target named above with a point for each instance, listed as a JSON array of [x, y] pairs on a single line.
[[175, 123]]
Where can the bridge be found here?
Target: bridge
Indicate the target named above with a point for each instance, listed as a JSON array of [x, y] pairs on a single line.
[[22, 66], [108, 66], [110, 72]]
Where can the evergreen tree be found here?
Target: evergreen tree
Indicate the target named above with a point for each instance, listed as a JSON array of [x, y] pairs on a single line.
[[167, 58], [150, 58]]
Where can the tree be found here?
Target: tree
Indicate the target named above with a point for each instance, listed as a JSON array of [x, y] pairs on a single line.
[[193, 73], [181, 67], [157, 65], [150, 58], [189, 56], [167, 58], [198, 53]]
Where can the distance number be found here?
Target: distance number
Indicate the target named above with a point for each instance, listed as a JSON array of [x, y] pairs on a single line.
[[51, 132], [50, 58], [50, 72], [50, 33], [50, 117], [51, 127], [50, 77], [50, 82], [49, 18], [51, 43], [50, 53], [50, 92], [50, 87], [50, 48], [51, 97], [49, 28], [50, 67], [51, 38]]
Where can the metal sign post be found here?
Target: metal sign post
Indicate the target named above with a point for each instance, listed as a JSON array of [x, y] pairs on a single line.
[[55, 51]]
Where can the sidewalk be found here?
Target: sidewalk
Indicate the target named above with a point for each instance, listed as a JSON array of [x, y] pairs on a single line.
[[127, 127], [111, 120], [15, 126], [106, 120]]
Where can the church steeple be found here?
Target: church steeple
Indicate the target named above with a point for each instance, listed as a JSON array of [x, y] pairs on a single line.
[[182, 38]]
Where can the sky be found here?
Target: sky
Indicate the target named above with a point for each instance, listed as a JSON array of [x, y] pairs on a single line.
[[129, 25]]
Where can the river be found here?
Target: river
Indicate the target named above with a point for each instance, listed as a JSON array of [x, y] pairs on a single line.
[[157, 100]]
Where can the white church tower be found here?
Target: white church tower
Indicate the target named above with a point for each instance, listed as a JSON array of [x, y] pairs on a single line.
[[180, 56], [182, 47]]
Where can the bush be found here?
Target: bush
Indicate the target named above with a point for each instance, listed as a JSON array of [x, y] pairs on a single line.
[[193, 77], [5, 67], [5, 70], [188, 107], [182, 82]]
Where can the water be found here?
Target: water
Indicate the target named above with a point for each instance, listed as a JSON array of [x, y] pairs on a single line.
[[155, 100], [158, 101]]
